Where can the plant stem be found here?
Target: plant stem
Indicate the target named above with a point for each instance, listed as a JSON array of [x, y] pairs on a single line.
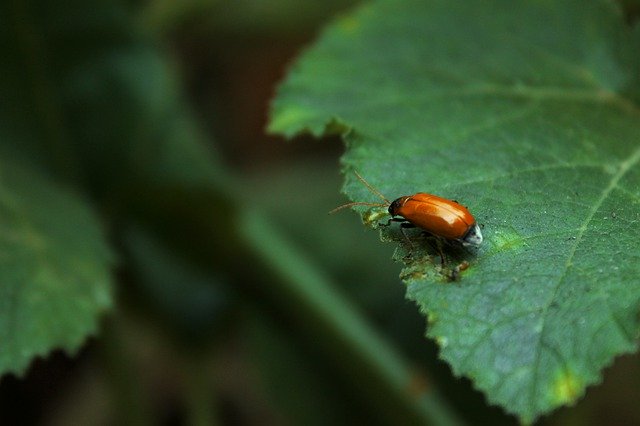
[[199, 393], [129, 401], [305, 293]]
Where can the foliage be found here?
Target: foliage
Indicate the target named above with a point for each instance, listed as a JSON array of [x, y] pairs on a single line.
[[55, 268], [233, 288], [536, 132], [79, 114]]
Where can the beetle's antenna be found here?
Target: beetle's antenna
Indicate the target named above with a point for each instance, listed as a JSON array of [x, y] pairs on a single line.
[[371, 188], [344, 206]]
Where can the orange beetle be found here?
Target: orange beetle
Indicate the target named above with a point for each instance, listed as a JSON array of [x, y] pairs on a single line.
[[436, 215]]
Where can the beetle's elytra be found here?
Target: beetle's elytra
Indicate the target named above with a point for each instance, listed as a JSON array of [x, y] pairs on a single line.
[[439, 216]]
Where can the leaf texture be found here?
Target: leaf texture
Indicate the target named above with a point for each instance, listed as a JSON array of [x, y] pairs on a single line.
[[526, 112]]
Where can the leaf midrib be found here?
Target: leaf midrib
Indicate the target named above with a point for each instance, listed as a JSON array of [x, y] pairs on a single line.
[[531, 93]]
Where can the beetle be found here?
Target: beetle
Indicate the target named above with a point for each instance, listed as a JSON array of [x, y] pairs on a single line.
[[438, 216]]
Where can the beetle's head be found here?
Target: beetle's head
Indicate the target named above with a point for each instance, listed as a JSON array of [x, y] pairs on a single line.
[[396, 205]]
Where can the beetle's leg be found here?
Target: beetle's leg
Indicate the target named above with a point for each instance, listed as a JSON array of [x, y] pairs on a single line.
[[395, 219], [406, 225], [443, 257], [438, 247]]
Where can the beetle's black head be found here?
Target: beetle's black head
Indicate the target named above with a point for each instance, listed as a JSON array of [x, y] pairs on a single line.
[[396, 205]]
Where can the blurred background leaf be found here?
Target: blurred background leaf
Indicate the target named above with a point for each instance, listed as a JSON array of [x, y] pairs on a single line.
[[55, 268]]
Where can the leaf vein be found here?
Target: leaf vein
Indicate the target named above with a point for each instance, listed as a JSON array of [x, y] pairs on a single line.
[[624, 167], [515, 173]]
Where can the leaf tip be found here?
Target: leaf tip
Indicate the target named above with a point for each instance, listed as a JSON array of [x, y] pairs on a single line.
[[289, 121], [441, 341]]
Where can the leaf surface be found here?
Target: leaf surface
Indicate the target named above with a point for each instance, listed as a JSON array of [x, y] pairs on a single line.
[[536, 131], [54, 265]]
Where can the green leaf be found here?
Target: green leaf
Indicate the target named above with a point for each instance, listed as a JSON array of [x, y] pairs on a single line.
[[92, 100], [527, 112], [54, 268]]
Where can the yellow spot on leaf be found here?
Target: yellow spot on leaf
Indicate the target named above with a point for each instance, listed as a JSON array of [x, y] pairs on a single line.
[[442, 341], [567, 387], [287, 118], [349, 24], [507, 240]]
